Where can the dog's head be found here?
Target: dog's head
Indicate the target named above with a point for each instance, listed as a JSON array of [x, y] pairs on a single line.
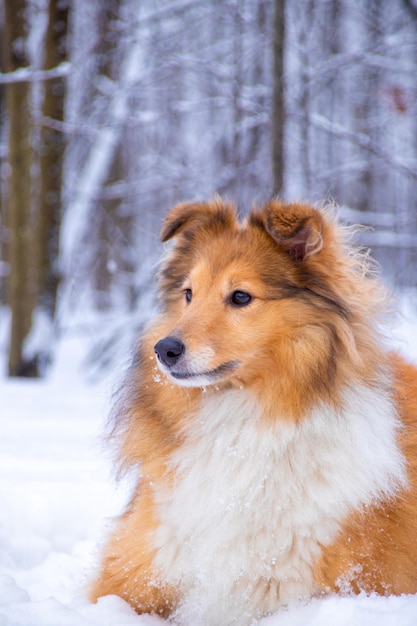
[[247, 299]]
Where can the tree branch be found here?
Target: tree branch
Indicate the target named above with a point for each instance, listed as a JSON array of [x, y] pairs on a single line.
[[31, 75], [362, 140]]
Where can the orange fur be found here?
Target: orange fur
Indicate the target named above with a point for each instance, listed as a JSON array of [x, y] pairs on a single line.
[[308, 333], [377, 544]]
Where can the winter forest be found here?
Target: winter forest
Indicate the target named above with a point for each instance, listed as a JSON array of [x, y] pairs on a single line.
[[111, 111]]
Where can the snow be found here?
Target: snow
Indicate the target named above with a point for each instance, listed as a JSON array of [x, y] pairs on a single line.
[[57, 497]]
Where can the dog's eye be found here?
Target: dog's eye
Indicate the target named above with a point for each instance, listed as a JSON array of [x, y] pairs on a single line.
[[240, 298], [188, 295]]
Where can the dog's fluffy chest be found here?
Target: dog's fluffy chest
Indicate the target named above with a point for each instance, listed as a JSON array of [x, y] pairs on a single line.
[[241, 526]]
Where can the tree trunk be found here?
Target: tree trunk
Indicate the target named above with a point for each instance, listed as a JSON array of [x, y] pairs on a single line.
[[3, 230], [22, 279], [278, 98], [105, 217], [51, 155]]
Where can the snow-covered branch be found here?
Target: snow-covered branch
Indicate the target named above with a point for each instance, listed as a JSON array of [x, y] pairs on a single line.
[[32, 75], [388, 239], [169, 11], [378, 219], [339, 62], [362, 140], [99, 159]]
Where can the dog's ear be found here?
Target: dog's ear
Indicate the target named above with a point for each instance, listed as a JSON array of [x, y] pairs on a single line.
[[190, 216], [297, 228]]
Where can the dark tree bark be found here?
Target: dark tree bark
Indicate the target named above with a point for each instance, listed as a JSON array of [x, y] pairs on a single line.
[[22, 283], [3, 229], [51, 155], [278, 98]]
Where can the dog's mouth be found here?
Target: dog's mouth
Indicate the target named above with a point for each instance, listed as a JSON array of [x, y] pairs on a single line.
[[189, 378], [215, 373], [189, 369]]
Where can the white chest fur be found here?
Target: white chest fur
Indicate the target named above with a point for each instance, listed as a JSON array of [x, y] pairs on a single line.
[[252, 503]]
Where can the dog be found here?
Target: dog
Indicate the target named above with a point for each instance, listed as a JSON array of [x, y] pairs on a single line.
[[272, 434]]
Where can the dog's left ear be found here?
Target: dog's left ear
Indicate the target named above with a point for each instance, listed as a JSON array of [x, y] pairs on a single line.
[[297, 228], [188, 217]]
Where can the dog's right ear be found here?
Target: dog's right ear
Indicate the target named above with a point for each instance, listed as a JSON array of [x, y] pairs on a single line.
[[190, 216], [297, 228]]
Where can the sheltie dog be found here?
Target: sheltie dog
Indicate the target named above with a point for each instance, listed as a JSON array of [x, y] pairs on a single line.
[[272, 435]]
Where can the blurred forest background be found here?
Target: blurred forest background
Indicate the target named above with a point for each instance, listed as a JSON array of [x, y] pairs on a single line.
[[111, 111]]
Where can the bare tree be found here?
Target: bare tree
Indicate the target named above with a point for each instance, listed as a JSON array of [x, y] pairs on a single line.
[[114, 221], [22, 283], [302, 98], [33, 210], [278, 98], [51, 154], [3, 151]]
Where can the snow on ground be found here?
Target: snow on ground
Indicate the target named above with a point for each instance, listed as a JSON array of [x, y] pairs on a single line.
[[57, 498]]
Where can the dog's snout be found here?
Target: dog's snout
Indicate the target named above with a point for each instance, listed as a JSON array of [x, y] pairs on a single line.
[[169, 350]]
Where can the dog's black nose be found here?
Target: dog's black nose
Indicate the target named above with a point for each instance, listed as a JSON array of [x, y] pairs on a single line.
[[169, 350]]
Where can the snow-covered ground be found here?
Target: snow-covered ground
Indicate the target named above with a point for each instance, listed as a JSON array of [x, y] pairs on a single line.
[[57, 496]]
